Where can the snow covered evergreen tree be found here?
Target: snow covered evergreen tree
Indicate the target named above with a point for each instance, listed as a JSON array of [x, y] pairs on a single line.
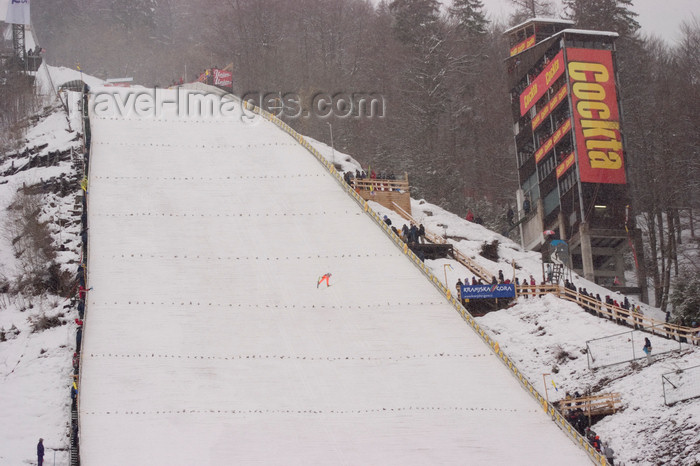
[[469, 15], [686, 298], [415, 21], [525, 9], [134, 14], [604, 15]]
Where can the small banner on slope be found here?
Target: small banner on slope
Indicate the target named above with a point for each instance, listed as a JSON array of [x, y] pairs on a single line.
[[488, 291]]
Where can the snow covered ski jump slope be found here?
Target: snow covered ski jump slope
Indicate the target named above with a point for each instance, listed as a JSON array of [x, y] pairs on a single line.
[[208, 339]]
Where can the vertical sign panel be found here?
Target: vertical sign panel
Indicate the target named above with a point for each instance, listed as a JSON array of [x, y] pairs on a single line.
[[596, 116]]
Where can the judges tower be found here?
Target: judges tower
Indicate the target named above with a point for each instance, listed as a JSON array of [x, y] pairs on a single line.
[[570, 148]]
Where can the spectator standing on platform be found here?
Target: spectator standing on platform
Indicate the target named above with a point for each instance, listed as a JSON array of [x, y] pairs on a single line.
[[413, 234], [40, 452], [526, 206], [421, 233], [470, 215], [500, 276], [509, 216], [459, 288]]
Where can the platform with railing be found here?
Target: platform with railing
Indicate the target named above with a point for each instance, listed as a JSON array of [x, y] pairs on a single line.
[[595, 405], [386, 192]]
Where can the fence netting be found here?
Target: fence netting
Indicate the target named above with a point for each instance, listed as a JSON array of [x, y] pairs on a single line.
[[626, 347], [681, 385]]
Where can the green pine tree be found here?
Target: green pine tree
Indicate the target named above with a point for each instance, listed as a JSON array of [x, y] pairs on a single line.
[[415, 21], [134, 14], [603, 15], [469, 15], [686, 298]]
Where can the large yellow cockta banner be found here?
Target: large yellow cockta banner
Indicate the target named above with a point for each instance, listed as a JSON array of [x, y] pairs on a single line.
[[596, 116]]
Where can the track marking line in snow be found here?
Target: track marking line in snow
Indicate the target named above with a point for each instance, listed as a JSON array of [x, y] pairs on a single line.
[[268, 306], [291, 357], [311, 411]]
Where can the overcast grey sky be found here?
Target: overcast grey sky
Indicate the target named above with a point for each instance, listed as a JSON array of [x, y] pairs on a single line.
[[658, 17]]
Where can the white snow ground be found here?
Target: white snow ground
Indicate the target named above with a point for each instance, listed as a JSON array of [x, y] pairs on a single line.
[[207, 340], [35, 367]]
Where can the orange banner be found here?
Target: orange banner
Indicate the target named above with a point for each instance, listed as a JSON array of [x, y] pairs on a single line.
[[596, 116], [524, 45], [549, 107], [553, 140], [565, 165], [541, 83]]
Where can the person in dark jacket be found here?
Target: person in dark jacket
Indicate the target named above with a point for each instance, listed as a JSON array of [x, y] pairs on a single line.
[[647, 349], [81, 308], [421, 233], [500, 276], [40, 452], [413, 234]]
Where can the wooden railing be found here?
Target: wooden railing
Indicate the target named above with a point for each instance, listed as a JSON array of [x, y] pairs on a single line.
[[369, 184], [470, 264], [616, 313], [595, 405]]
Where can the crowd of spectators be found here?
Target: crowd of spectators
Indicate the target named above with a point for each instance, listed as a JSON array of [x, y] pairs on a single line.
[[578, 419], [350, 178]]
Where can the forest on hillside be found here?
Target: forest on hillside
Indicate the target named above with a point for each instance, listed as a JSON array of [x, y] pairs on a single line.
[[438, 68]]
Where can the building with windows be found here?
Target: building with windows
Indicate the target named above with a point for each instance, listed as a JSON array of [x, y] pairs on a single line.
[[570, 147]]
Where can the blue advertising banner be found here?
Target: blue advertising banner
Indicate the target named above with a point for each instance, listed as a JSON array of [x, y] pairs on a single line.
[[500, 290]]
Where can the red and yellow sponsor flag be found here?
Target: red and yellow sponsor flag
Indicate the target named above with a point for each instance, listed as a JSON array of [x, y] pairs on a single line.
[[522, 46], [565, 165], [549, 108], [553, 140], [541, 83]]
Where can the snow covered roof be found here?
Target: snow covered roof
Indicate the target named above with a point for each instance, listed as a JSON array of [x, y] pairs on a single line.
[[539, 20], [589, 32]]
